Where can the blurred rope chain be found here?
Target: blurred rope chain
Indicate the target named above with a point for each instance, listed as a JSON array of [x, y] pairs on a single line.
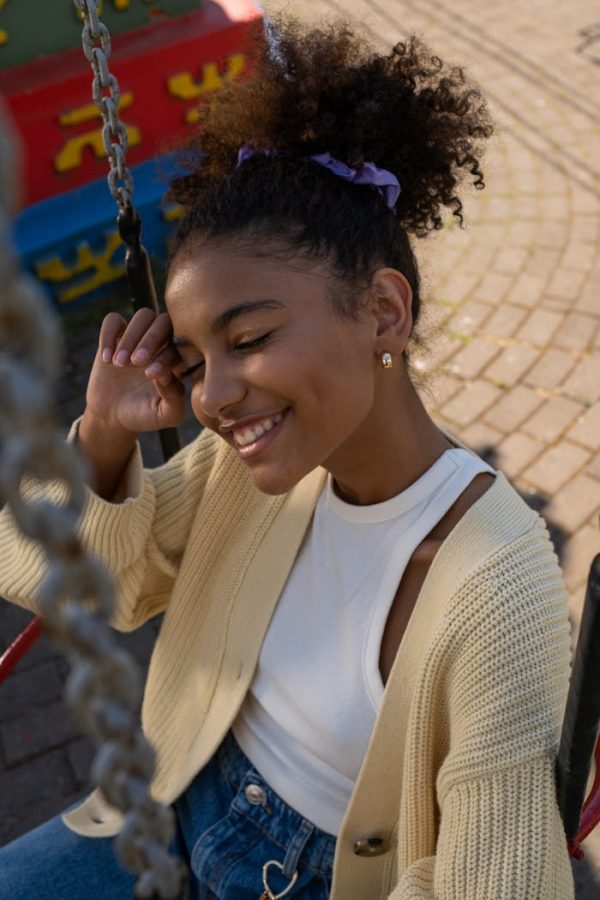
[[97, 49], [77, 595]]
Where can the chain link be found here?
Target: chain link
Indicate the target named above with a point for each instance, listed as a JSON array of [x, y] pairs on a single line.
[[77, 595], [96, 43]]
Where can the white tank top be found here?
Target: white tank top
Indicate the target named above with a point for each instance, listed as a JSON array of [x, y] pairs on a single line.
[[308, 715]]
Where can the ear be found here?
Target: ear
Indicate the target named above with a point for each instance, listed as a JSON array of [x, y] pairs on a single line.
[[391, 303]]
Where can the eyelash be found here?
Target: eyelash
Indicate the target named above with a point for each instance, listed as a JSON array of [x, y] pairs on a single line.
[[257, 342], [246, 345], [191, 370]]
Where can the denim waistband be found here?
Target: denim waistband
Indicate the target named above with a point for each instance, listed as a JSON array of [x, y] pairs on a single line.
[[286, 827]]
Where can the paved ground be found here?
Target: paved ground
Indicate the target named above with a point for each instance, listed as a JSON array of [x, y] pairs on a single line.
[[514, 369]]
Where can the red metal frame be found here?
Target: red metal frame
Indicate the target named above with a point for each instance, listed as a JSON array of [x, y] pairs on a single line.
[[19, 647]]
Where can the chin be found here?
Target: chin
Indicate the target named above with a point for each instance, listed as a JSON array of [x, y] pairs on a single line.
[[276, 484]]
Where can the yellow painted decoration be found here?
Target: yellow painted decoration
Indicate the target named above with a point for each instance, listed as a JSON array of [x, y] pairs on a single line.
[[71, 155], [120, 4], [3, 33], [124, 4], [117, 4], [172, 212], [102, 270], [91, 111], [184, 87]]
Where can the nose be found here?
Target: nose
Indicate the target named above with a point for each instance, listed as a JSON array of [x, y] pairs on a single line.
[[221, 388]]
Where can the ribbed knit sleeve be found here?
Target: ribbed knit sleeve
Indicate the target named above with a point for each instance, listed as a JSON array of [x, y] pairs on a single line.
[[141, 539], [500, 837], [502, 664]]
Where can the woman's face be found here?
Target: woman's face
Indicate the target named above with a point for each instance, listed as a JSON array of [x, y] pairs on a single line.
[[281, 377]]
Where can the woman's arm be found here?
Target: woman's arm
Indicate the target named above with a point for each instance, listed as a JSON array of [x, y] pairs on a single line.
[[106, 452], [493, 822], [500, 838], [141, 538], [138, 537]]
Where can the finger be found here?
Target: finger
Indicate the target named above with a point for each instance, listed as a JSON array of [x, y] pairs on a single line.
[[113, 326], [154, 341], [164, 362], [168, 386], [137, 326], [172, 392]]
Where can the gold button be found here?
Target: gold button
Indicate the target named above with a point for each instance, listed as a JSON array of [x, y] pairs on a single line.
[[371, 847]]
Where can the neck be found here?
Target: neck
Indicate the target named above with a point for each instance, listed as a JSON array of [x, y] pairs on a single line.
[[397, 444]]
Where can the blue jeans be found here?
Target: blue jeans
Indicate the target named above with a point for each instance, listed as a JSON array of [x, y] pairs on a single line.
[[229, 824]]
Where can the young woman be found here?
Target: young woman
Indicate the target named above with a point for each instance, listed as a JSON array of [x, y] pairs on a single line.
[[359, 681]]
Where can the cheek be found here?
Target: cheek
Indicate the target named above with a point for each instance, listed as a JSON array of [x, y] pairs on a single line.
[[336, 405], [345, 382]]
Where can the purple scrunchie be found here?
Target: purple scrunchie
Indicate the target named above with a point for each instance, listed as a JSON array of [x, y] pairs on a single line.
[[386, 182]]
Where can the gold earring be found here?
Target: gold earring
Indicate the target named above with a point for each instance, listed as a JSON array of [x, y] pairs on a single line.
[[386, 360]]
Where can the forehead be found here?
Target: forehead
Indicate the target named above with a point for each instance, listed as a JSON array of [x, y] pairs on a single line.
[[214, 276]]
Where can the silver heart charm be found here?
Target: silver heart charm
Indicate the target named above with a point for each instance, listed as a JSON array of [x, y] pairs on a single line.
[[265, 869]]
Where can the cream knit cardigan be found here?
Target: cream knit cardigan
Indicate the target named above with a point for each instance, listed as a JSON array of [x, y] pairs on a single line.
[[458, 778]]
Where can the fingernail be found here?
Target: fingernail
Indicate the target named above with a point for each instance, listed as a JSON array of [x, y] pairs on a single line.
[[140, 356], [106, 354], [122, 358], [154, 369]]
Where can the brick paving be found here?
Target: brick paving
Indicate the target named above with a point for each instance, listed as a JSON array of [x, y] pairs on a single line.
[[513, 368]]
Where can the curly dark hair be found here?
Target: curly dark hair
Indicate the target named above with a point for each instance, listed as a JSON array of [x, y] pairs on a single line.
[[326, 89]]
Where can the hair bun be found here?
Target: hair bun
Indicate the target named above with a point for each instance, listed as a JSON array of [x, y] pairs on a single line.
[[326, 89]]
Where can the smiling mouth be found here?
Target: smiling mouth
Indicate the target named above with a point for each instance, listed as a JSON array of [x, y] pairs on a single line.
[[249, 441], [250, 435]]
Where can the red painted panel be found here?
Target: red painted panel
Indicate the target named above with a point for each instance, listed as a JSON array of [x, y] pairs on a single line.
[[161, 73]]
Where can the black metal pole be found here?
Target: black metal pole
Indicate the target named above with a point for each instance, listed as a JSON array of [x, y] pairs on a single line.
[[582, 713], [143, 293]]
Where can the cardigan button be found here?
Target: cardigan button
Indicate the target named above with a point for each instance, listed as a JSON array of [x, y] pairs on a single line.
[[371, 846]]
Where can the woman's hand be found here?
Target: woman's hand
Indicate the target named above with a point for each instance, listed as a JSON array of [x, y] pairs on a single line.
[[132, 387]]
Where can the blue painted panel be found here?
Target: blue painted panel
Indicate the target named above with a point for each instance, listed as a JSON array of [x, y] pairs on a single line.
[[71, 243]]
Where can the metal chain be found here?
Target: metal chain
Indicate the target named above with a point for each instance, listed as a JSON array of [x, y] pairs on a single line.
[[97, 49], [77, 595]]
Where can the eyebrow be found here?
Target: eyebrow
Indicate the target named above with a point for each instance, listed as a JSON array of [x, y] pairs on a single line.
[[234, 312]]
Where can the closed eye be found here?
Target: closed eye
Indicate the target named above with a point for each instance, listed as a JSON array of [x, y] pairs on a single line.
[[245, 345], [191, 370], [250, 345]]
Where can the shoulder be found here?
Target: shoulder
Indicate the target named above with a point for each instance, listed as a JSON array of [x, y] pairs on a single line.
[[501, 562], [506, 611], [507, 634], [493, 519], [519, 582]]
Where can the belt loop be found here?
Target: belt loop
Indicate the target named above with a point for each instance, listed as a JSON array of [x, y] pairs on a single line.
[[297, 845]]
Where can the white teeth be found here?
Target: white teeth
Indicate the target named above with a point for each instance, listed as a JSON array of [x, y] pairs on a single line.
[[246, 437], [252, 434]]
